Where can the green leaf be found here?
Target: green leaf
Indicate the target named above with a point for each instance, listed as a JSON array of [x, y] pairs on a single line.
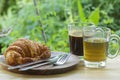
[[81, 12], [94, 16]]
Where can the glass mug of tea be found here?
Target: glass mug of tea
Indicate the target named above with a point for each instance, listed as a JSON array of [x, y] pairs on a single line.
[[96, 43], [76, 38]]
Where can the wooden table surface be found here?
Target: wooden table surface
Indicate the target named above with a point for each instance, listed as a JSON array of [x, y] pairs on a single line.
[[110, 72]]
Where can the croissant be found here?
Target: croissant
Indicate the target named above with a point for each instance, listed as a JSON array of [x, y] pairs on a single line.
[[24, 50]]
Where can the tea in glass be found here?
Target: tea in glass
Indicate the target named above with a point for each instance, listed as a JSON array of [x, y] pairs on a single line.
[[96, 46], [95, 49]]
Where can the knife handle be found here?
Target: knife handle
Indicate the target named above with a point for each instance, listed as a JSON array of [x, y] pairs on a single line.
[[27, 64], [33, 66]]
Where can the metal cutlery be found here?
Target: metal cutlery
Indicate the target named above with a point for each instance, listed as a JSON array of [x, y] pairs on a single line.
[[58, 61], [32, 63], [62, 59]]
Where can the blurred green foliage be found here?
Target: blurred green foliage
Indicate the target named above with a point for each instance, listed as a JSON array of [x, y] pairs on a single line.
[[55, 16]]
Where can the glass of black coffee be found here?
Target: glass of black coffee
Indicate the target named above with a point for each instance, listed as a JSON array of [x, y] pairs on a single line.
[[76, 38]]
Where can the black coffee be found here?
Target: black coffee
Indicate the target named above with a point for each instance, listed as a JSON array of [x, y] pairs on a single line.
[[76, 44]]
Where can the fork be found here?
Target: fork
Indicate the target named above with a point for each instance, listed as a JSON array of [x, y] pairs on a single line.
[[61, 60]]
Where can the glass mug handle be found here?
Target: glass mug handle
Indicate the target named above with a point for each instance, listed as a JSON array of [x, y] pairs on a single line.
[[116, 39], [101, 31]]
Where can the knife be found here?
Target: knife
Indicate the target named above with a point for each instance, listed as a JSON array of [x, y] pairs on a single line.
[[50, 61], [45, 61]]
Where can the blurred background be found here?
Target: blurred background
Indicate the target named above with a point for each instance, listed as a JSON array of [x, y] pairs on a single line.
[[53, 18]]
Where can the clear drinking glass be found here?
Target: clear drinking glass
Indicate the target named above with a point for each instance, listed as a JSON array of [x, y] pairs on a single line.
[[96, 42], [76, 38]]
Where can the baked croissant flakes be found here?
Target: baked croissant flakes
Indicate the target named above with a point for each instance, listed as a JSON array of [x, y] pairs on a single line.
[[24, 50]]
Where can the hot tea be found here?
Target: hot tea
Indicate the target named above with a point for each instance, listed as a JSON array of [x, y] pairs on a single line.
[[95, 49]]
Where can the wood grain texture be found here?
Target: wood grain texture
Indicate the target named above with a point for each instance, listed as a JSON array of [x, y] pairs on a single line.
[[49, 69]]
